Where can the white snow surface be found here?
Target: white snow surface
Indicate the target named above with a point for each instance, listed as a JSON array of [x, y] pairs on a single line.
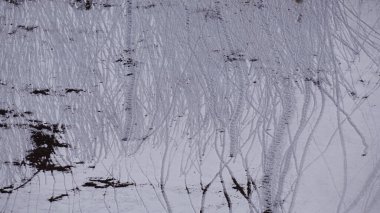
[[196, 105]]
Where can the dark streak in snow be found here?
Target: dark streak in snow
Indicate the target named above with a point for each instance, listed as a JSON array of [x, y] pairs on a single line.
[[57, 198], [99, 182]]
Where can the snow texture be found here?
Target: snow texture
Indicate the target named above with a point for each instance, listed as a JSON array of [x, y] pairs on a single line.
[[189, 106]]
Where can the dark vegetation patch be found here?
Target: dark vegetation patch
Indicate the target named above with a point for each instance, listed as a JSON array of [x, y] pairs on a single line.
[[53, 128], [246, 193], [6, 189], [221, 130], [71, 90], [148, 6], [76, 189], [15, 2], [129, 62], [12, 32], [40, 92], [234, 56], [87, 4], [44, 137], [210, 14], [314, 81], [22, 27], [238, 187], [79, 162], [44, 147], [27, 28], [16, 163], [7, 113], [129, 51], [4, 126], [68, 107], [36, 125], [60, 93], [107, 5], [258, 4], [57, 198], [82, 4], [18, 115], [353, 94], [99, 182]]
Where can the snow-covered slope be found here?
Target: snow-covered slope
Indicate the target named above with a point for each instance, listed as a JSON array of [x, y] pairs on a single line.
[[189, 106]]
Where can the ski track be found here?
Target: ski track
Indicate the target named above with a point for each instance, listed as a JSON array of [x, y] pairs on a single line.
[[189, 106]]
